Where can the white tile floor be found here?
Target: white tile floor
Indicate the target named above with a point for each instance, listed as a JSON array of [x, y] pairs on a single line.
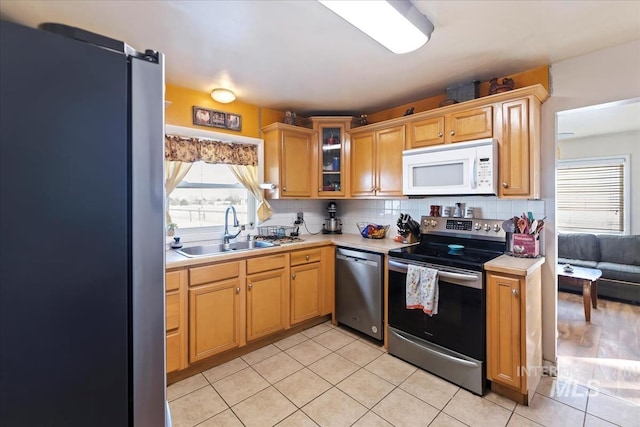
[[328, 376]]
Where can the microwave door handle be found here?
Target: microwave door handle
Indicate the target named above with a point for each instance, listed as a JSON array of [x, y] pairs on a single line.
[[472, 180]]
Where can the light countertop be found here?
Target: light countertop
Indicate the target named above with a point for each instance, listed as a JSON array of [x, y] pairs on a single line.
[[354, 241], [514, 265]]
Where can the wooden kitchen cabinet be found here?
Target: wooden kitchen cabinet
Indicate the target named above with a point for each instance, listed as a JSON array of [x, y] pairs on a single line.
[[466, 125], [267, 296], [305, 284], [176, 320], [514, 333], [290, 161], [328, 281], [519, 148], [332, 143], [216, 309], [376, 162]]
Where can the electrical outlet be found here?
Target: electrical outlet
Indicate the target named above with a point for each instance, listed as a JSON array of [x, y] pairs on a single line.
[[300, 219]]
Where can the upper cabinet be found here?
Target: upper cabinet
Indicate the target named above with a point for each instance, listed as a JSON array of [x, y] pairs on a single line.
[[289, 161], [512, 118], [519, 148], [466, 125], [333, 161], [376, 162], [332, 146]]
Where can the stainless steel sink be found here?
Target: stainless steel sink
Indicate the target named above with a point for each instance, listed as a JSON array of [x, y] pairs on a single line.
[[204, 250]]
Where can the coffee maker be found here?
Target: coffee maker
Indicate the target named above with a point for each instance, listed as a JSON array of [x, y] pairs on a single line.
[[332, 225]]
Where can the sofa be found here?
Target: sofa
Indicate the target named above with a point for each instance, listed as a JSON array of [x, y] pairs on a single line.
[[618, 257]]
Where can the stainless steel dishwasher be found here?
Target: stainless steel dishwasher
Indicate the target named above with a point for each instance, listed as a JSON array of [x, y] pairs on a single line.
[[359, 291]]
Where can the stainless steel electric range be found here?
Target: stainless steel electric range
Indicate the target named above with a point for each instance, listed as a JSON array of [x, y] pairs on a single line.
[[450, 344]]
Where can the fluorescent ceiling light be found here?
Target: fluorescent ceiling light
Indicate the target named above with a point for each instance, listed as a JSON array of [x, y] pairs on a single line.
[[223, 96], [396, 24]]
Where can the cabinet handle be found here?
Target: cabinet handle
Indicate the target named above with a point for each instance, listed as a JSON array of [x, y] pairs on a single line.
[[514, 292], [440, 134], [452, 133], [373, 188], [293, 276], [250, 286], [307, 257], [505, 185], [237, 290], [284, 188]]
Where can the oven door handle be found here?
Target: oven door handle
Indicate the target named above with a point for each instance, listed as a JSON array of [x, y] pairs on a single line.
[[403, 268]]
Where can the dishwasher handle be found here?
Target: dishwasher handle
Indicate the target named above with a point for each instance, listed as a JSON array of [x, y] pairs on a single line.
[[346, 258]]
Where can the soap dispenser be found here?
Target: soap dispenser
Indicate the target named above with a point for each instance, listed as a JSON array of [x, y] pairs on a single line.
[[176, 244]]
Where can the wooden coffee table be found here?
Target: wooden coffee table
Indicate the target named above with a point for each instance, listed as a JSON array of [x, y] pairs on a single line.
[[587, 278]]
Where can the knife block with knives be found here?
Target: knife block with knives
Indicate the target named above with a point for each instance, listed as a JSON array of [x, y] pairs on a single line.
[[408, 229]]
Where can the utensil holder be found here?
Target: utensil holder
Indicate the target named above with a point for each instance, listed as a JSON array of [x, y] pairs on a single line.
[[525, 245]]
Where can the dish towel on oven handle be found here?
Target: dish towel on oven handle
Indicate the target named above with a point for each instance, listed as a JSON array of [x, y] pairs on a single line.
[[422, 289]]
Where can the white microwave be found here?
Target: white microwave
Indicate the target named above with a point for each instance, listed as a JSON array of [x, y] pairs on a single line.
[[461, 168]]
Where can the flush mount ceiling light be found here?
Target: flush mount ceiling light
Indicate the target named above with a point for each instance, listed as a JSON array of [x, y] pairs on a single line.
[[223, 96], [396, 24]]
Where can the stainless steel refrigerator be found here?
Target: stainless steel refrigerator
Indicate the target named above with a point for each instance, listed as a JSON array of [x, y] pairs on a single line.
[[82, 339]]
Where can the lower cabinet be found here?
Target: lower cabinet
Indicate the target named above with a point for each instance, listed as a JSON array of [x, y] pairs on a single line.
[[219, 307], [514, 334], [215, 323], [306, 283], [267, 299], [176, 320]]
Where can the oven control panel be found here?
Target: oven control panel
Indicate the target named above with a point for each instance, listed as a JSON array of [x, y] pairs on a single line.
[[468, 226]]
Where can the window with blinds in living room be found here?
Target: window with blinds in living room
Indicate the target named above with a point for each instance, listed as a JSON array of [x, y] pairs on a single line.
[[592, 195]]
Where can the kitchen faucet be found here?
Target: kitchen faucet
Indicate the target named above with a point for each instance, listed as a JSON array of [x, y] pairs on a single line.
[[227, 236]]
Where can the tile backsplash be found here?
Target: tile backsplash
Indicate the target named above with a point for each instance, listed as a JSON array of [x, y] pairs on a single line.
[[387, 211]]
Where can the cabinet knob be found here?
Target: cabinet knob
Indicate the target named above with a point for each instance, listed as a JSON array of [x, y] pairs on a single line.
[[319, 189], [440, 134], [514, 292], [250, 286], [505, 185], [237, 290], [452, 133], [307, 257], [293, 276], [284, 188]]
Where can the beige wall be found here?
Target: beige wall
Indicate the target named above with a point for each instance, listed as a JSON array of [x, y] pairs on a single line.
[[604, 76]]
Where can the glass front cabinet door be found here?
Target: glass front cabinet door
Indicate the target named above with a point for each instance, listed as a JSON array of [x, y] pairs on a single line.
[[332, 141]]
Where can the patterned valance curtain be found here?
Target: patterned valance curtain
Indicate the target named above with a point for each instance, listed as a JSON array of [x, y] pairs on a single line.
[[189, 150], [242, 159]]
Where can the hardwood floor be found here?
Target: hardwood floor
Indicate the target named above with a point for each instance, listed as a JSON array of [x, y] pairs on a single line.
[[603, 354]]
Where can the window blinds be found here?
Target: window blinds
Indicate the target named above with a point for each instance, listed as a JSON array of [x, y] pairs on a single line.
[[590, 198]]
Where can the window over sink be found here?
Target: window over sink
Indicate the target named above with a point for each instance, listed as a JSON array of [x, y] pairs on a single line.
[[204, 194]]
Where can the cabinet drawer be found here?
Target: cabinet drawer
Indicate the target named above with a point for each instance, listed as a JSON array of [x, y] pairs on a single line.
[[172, 281], [213, 273], [173, 311], [265, 263], [306, 256], [173, 351]]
